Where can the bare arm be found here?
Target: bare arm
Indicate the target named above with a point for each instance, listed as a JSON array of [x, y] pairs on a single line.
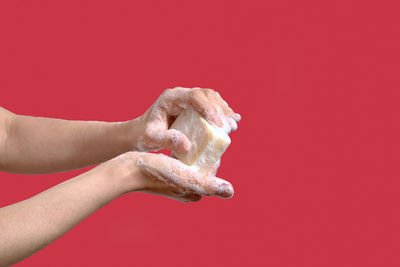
[[30, 225], [44, 145]]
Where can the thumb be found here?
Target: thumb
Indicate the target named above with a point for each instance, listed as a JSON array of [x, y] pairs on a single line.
[[174, 140]]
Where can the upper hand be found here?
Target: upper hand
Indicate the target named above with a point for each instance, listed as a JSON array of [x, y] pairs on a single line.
[[154, 125]]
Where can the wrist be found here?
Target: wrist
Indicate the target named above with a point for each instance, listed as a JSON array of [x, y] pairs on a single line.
[[132, 130], [122, 174]]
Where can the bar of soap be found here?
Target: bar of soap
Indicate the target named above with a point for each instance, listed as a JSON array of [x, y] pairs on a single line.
[[208, 142]]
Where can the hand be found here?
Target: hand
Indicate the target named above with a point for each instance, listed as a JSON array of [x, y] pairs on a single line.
[[154, 132], [165, 176]]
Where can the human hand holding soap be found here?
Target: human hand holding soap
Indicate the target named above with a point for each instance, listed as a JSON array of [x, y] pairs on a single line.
[[152, 130]]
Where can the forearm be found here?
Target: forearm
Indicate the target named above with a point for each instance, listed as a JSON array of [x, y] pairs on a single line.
[[44, 145], [30, 225]]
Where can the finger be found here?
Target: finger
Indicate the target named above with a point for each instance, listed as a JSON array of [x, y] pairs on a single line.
[[186, 198], [174, 101], [237, 117], [175, 172], [202, 104], [160, 166], [228, 110], [232, 123], [192, 197], [182, 197], [231, 118], [169, 139], [228, 123], [224, 112], [174, 140], [218, 187]]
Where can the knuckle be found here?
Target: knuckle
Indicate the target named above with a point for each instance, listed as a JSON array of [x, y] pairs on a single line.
[[149, 132], [196, 94], [166, 91], [229, 110], [153, 135], [209, 91]]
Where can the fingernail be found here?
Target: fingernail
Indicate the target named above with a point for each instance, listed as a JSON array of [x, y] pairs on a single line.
[[225, 190], [187, 145], [238, 117], [183, 146], [228, 193]]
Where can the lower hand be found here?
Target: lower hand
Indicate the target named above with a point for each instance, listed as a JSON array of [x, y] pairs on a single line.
[[165, 176]]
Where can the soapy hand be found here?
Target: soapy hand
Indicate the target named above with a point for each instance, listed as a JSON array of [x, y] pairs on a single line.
[[165, 176], [154, 125], [170, 177]]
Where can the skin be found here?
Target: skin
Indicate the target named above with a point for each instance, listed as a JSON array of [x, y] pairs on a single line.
[[34, 145]]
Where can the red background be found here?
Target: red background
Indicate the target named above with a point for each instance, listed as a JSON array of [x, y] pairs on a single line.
[[315, 162]]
